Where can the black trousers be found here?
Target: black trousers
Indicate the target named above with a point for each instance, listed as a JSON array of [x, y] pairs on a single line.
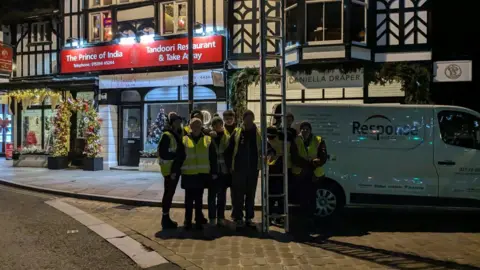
[[217, 197], [193, 198], [306, 187], [170, 185], [244, 187]]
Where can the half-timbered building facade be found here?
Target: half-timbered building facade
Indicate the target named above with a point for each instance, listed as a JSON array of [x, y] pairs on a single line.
[[138, 52], [35, 44], [322, 32]]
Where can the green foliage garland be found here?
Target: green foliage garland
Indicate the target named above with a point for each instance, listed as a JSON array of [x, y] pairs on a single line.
[[62, 126], [414, 79]]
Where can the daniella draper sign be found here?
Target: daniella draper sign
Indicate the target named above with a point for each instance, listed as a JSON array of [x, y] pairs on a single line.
[[158, 53], [327, 79]]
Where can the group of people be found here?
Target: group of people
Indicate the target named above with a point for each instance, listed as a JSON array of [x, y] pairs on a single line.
[[227, 155]]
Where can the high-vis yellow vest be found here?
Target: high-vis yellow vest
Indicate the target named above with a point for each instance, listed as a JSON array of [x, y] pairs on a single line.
[[221, 147], [238, 133], [186, 130], [277, 145], [308, 153], [197, 156], [166, 165]]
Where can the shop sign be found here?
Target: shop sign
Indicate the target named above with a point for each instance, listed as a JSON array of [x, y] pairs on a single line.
[[327, 79], [154, 79], [169, 52], [452, 71], [6, 59]]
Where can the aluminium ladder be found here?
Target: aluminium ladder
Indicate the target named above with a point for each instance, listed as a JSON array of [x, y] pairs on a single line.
[[278, 57]]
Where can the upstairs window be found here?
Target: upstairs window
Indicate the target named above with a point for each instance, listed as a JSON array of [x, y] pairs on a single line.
[[324, 21], [173, 17], [100, 3], [291, 18], [358, 25], [101, 26], [39, 33]]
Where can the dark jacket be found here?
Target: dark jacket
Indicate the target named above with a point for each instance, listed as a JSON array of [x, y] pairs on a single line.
[[164, 145], [247, 155], [231, 128], [199, 180]]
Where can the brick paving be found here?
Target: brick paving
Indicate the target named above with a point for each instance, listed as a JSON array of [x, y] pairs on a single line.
[[363, 240], [134, 185]]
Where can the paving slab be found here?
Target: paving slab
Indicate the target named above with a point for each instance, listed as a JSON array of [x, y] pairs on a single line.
[[112, 185]]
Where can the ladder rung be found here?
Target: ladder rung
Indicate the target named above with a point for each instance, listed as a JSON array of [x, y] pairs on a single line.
[[277, 215], [275, 174], [273, 19], [276, 195], [275, 37], [274, 56], [274, 75], [275, 114], [274, 95]]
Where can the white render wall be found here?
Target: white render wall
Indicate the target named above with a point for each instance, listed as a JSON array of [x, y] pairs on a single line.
[[109, 135]]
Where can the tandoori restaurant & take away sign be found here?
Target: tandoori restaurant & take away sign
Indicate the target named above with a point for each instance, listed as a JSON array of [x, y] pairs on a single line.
[[169, 52]]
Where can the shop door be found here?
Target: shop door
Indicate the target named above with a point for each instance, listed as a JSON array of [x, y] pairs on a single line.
[[131, 142]]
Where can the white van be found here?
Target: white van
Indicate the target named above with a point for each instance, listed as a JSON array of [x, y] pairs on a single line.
[[395, 155]]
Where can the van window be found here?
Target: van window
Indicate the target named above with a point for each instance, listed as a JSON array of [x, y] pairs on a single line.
[[460, 129]]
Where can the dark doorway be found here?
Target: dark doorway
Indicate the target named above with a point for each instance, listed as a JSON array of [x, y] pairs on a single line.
[[131, 134]]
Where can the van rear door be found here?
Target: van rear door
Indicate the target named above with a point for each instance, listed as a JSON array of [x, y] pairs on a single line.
[[457, 155]]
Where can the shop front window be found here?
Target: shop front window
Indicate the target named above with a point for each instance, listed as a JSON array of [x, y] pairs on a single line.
[[324, 21], [173, 17], [101, 30], [32, 128], [6, 129], [168, 101]]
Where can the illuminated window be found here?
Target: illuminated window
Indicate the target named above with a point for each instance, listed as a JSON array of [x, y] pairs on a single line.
[[173, 17], [101, 27], [324, 21]]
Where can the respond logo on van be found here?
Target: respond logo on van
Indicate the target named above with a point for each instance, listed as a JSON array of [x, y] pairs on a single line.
[[380, 127]]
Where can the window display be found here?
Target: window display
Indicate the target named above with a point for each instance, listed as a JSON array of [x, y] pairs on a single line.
[[32, 128], [6, 129]]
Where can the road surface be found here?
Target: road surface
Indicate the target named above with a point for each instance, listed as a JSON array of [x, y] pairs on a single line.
[[36, 236]]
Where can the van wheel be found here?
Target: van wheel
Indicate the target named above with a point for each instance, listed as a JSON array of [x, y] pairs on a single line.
[[329, 200]]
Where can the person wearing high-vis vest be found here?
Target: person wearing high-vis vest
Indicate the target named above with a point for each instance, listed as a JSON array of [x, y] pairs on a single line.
[[168, 148], [243, 158], [217, 190], [198, 164], [275, 167], [198, 115], [229, 119], [314, 149]]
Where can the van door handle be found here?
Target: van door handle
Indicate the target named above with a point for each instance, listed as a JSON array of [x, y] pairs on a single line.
[[446, 163]]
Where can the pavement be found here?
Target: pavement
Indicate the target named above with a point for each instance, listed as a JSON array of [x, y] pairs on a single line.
[[37, 236], [128, 187], [362, 240]]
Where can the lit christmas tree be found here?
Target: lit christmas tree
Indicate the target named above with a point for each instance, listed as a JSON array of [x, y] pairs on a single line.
[[156, 128]]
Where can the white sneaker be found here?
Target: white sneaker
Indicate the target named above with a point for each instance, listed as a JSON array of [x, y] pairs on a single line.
[[213, 222]]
